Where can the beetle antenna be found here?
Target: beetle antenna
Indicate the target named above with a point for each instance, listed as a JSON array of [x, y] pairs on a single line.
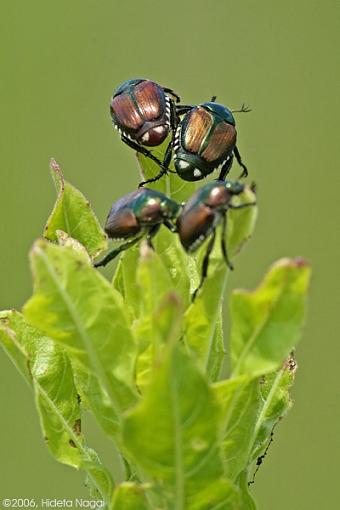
[[253, 187], [244, 109]]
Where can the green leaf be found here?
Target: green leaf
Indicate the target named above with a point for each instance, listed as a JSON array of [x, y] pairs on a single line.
[[275, 402], [154, 282], [51, 376], [173, 433], [267, 322], [182, 269], [167, 323], [250, 409], [73, 214], [218, 352], [219, 495], [125, 281], [204, 315], [65, 240], [57, 403], [179, 268], [153, 278], [76, 306], [98, 479], [239, 402], [129, 496], [95, 398], [13, 346], [248, 502]]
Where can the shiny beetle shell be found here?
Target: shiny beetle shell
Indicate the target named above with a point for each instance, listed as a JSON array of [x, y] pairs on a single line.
[[137, 210], [140, 110], [203, 211], [205, 138]]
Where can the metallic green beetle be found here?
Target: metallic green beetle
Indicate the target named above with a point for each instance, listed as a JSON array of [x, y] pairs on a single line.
[[136, 215], [203, 212], [205, 139]]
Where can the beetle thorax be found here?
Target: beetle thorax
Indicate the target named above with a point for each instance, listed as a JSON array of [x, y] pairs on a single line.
[[219, 198], [151, 212]]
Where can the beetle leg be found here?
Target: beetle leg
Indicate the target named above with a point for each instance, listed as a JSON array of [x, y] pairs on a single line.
[[116, 251], [225, 168], [223, 242], [170, 225], [151, 233], [174, 120], [144, 151], [241, 206], [240, 162], [168, 153], [213, 99], [173, 126], [205, 264], [181, 109], [172, 93], [153, 179]]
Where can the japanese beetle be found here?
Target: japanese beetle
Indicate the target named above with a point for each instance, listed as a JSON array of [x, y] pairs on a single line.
[[144, 113], [200, 216], [205, 139], [138, 214]]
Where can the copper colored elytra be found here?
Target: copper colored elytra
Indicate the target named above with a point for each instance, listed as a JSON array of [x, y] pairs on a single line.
[[142, 113]]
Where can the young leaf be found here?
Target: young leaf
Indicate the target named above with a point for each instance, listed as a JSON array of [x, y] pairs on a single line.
[[275, 402], [267, 322], [219, 495], [124, 281], [65, 240], [129, 496], [76, 306], [167, 324], [95, 398], [182, 269], [173, 433], [13, 346], [154, 282], [203, 316], [58, 405], [50, 374], [239, 402], [153, 278], [218, 352], [98, 479], [73, 214], [247, 501]]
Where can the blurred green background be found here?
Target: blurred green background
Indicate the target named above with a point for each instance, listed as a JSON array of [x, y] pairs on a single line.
[[60, 62]]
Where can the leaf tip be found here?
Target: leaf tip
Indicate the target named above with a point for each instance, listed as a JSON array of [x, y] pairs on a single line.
[[57, 173], [297, 262], [55, 166], [290, 364], [38, 247], [301, 262]]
